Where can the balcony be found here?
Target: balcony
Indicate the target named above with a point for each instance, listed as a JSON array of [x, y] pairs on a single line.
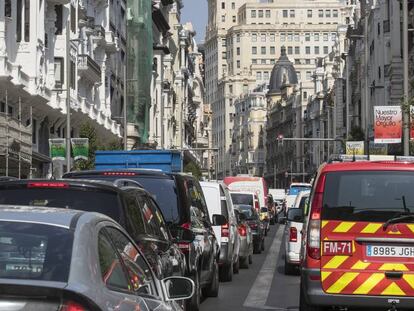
[[111, 42], [88, 68]]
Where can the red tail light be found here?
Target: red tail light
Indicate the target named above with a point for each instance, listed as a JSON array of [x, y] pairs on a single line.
[[225, 231], [293, 235], [46, 184], [186, 225], [314, 231], [256, 205], [242, 230], [72, 306]]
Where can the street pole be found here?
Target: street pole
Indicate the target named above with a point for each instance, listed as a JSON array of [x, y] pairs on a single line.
[[366, 52], [125, 107], [68, 76], [406, 109], [348, 97]]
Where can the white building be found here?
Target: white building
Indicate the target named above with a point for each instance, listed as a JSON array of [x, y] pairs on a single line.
[[33, 70]]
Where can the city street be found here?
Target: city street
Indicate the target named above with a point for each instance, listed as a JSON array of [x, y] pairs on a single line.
[[263, 286]]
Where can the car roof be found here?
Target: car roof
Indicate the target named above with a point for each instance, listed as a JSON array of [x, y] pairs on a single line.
[[368, 166], [58, 217]]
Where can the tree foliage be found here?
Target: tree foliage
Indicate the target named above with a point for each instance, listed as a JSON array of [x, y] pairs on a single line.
[[194, 169]]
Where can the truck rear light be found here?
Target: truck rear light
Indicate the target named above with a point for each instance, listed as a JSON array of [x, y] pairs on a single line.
[[72, 306], [46, 184], [293, 234], [242, 230], [225, 231]]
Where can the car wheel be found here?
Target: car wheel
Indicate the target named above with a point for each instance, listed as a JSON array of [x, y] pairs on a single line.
[[244, 262], [272, 221], [289, 269], [262, 247], [250, 259], [303, 305], [236, 266], [193, 304], [256, 248], [226, 273], [213, 289]]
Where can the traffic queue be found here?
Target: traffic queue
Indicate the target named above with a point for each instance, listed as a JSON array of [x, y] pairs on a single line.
[[124, 239]]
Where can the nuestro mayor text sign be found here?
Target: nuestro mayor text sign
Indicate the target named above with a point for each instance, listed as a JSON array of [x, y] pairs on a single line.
[[387, 124]]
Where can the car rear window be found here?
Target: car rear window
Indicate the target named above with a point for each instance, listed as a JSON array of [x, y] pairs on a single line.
[[242, 198], [93, 200], [35, 251], [367, 195], [248, 211]]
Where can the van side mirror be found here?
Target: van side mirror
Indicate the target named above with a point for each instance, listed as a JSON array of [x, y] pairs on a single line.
[[178, 288], [295, 215], [219, 220]]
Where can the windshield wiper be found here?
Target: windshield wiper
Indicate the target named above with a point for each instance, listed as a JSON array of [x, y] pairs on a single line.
[[400, 217]]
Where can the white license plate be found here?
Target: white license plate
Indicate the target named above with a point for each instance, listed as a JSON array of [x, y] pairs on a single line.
[[390, 251]]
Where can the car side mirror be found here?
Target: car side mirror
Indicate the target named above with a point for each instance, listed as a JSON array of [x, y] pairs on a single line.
[[182, 235], [219, 220], [178, 288], [295, 215]]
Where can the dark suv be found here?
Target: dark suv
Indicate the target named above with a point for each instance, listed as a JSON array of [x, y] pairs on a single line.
[[132, 207], [182, 202]]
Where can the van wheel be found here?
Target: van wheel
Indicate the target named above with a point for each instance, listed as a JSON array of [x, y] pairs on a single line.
[[256, 248], [226, 273], [236, 266], [213, 289], [244, 263], [303, 305], [262, 247], [289, 269], [250, 259], [193, 303]]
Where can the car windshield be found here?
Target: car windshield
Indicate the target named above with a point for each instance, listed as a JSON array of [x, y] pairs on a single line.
[[367, 195], [35, 251], [242, 198], [248, 211], [93, 200]]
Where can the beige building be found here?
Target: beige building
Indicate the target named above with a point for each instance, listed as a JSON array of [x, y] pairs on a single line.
[[243, 41]]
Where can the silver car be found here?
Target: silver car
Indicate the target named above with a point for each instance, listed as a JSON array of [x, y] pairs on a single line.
[[56, 259]]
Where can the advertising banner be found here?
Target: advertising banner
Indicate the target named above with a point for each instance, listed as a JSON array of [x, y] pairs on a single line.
[[57, 149], [80, 148], [378, 149], [388, 124], [354, 147]]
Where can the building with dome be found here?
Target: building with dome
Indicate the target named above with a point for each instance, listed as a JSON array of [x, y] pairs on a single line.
[[284, 119]]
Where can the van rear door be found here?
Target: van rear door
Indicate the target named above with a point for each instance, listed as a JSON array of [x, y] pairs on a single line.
[[360, 253]]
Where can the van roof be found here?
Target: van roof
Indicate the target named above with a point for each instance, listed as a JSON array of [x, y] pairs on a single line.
[[368, 166]]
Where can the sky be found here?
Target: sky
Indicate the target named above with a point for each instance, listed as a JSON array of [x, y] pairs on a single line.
[[195, 11]]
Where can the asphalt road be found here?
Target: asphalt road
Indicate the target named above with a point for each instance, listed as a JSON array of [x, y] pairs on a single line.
[[261, 287]]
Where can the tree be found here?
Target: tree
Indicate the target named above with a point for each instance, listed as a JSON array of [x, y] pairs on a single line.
[[194, 169], [356, 134]]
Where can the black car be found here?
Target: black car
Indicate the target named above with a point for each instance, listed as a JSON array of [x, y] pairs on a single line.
[[132, 207], [257, 227], [182, 202]]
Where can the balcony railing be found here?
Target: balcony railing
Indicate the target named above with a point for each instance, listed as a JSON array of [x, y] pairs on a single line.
[[89, 68]]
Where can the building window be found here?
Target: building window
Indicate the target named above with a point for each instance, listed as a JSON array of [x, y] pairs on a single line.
[[73, 76], [233, 6], [309, 13], [254, 37], [254, 61], [266, 75], [272, 50], [19, 14], [224, 42], [234, 18], [333, 36], [7, 8], [223, 18], [297, 37], [223, 55], [307, 50], [298, 75], [290, 50], [297, 50], [238, 51], [73, 23], [259, 75], [325, 37], [260, 13], [307, 61], [316, 36], [285, 13], [305, 95], [267, 13], [59, 19], [254, 50], [292, 13], [272, 61], [308, 75], [307, 36], [59, 73], [263, 37], [263, 61], [297, 61], [223, 5], [238, 64], [231, 89], [320, 13], [289, 37], [237, 38], [325, 50], [328, 13], [272, 37], [335, 13], [263, 50], [317, 50], [282, 37], [253, 13]]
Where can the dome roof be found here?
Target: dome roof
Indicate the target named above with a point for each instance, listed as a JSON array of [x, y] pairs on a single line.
[[283, 73]]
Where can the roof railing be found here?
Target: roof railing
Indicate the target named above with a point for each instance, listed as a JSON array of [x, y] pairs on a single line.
[[372, 158]]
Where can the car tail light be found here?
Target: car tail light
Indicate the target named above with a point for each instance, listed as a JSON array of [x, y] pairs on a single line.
[[186, 225], [46, 184], [184, 247], [314, 229], [242, 230], [72, 306], [225, 231], [293, 234], [119, 174]]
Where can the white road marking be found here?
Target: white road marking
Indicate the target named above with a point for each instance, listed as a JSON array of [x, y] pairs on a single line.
[[260, 289]]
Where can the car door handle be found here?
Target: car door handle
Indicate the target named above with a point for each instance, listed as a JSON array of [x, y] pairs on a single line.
[[393, 274]]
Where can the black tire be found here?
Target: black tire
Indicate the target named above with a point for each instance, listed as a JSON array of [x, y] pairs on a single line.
[[303, 305], [289, 269], [193, 304], [262, 247], [226, 273], [212, 290], [266, 232], [250, 259], [236, 266], [256, 248], [272, 221], [244, 262]]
